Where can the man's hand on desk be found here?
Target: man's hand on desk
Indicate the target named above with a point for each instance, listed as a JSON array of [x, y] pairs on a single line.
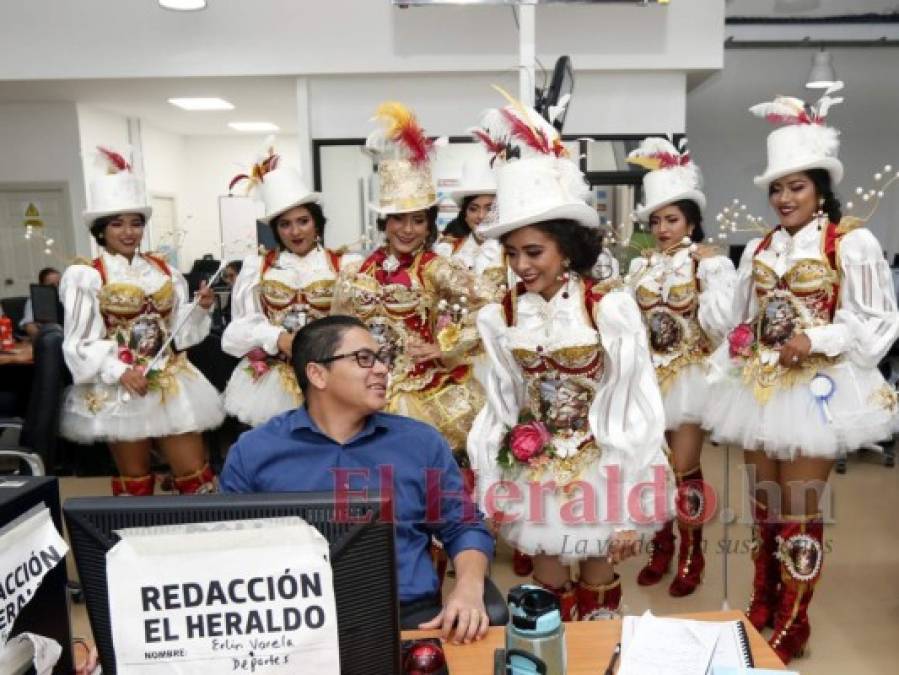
[[464, 608]]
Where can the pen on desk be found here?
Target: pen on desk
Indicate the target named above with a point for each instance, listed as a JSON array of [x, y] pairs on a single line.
[[610, 669]]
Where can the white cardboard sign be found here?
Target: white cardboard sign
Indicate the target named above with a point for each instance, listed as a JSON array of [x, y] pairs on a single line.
[[251, 596], [30, 547]]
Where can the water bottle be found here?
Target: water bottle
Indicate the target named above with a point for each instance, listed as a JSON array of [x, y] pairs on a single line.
[[536, 629]]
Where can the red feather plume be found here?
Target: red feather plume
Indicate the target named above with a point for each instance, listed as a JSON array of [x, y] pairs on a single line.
[[493, 147], [115, 159], [531, 137]]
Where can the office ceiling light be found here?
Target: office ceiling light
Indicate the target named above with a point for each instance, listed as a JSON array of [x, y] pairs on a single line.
[[183, 5], [201, 103], [821, 76], [258, 127]]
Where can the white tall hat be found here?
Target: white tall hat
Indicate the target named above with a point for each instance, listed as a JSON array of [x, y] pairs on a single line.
[[672, 177], [283, 189], [535, 179], [403, 152], [804, 142], [478, 178], [118, 191]]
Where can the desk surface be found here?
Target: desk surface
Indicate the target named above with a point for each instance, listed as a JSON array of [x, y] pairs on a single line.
[[590, 644]]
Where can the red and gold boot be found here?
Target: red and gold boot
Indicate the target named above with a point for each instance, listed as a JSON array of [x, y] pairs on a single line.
[[199, 482], [142, 486], [690, 506], [800, 549], [568, 602], [600, 601], [661, 551], [522, 564], [766, 580]]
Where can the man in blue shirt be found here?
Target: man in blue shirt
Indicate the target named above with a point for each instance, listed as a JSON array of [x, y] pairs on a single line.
[[339, 441]]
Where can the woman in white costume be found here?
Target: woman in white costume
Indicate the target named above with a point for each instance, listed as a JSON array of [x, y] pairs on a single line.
[[460, 241], [573, 418], [685, 292], [119, 310], [815, 312], [276, 294]]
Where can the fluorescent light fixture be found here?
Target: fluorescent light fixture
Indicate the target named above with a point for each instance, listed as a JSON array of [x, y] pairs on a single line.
[[201, 103], [183, 5], [254, 126], [822, 75]]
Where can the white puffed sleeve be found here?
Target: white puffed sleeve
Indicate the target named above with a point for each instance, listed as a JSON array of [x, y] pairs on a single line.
[[626, 416], [198, 321], [866, 322], [636, 268], [717, 280], [249, 327], [745, 305], [91, 358], [505, 396]]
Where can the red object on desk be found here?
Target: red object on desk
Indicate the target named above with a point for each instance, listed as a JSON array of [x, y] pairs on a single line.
[[6, 339]]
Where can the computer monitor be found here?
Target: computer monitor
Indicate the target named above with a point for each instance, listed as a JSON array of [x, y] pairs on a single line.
[[47, 613], [45, 305], [362, 558]]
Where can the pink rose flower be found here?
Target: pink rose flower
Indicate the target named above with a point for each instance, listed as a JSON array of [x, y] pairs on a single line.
[[527, 440], [260, 368], [257, 354], [126, 355], [741, 340]]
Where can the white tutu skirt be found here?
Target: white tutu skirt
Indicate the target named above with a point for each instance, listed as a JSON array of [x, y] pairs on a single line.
[[255, 402], [792, 423], [98, 412], [686, 398], [552, 530]]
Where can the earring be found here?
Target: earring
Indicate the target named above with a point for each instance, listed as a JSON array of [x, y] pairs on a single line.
[[819, 216], [565, 277]]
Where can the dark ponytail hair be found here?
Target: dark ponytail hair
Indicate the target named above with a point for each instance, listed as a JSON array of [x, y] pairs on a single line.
[[457, 227], [577, 243], [824, 189], [693, 216]]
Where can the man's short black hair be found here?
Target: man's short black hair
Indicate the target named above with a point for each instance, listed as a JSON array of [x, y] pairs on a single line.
[[44, 273], [318, 341]]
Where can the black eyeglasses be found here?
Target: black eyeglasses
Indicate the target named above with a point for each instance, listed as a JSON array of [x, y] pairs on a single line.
[[365, 357]]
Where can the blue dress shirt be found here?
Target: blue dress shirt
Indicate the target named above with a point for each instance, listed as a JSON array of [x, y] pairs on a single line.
[[290, 454]]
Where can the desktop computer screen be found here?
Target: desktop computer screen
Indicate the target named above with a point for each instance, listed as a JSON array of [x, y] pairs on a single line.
[[362, 558]]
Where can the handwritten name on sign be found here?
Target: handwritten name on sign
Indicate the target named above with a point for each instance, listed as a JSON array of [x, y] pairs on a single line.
[[30, 547], [248, 596]]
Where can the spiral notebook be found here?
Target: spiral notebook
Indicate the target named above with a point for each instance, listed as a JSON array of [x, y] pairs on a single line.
[[682, 645]]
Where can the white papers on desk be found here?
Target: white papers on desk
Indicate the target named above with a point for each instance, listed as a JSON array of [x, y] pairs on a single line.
[[652, 645]]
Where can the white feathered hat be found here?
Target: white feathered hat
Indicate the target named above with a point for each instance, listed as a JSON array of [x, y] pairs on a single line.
[[804, 142], [672, 176], [281, 188], [535, 179], [478, 178], [118, 191]]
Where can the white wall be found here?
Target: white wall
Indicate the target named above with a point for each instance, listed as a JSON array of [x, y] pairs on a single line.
[[275, 37], [210, 162], [448, 104], [729, 143], [39, 144]]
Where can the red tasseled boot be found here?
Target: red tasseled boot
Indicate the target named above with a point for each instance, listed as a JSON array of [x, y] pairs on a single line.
[[142, 486], [766, 580], [661, 551], [199, 482], [690, 518], [568, 601], [598, 601], [801, 553]]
